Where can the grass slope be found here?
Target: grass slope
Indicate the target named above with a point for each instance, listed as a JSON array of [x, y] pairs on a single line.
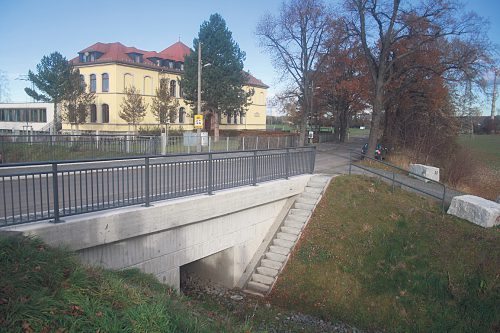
[[391, 261], [46, 290]]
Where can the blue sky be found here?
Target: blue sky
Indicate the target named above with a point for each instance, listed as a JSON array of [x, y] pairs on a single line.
[[30, 29]]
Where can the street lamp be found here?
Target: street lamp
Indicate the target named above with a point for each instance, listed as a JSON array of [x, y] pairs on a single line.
[[198, 108]]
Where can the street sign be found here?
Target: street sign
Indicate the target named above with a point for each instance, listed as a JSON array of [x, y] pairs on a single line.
[[198, 121]]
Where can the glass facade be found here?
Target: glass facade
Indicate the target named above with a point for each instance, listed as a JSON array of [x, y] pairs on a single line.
[[25, 115]]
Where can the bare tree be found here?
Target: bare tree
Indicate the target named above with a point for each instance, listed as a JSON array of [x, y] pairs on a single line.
[[381, 24], [133, 107], [295, 39], [164, 105]]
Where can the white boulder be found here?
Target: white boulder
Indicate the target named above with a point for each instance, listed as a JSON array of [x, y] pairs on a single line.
[[477, 210], [425, 171]]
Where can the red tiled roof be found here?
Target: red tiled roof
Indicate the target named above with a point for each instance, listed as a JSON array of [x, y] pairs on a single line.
[[176, 51], [119, 52]]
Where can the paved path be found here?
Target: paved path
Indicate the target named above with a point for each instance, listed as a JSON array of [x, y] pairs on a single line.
[[333, 158]]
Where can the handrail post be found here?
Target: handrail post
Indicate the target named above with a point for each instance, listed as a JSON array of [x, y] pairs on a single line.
[[210, 174], [287, 163], [254, 167], [55, 193], [393, 179], [444, 197], [313, 159], [350, 161], [146, 184]]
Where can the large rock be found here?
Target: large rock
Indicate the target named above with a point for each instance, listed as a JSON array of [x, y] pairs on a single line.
[[477, 210], [425, 171]]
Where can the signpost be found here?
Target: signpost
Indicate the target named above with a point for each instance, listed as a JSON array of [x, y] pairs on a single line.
[[198, 121]]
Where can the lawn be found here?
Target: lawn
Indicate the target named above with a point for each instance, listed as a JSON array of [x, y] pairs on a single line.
[[43, 289], [391, 261], [485, 147]]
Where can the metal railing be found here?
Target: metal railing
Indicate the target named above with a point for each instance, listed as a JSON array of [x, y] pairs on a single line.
[[391, 176], [31, 148], [40, 191]]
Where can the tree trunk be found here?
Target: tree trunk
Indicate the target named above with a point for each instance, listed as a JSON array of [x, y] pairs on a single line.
[[215, 125], [54, 122], [376, 118]]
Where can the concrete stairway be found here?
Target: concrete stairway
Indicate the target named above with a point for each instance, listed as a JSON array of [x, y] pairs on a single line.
[[279, 249]]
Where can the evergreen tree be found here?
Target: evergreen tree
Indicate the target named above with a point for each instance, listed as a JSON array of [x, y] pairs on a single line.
[[53, 80], [133, 107], [164, 105], [223, 77]]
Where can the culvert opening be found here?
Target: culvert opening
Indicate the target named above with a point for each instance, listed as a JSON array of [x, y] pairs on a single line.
[[213, 274]]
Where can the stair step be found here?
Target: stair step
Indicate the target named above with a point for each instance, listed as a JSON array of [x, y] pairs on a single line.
[[310, 195], [300, 212], [283, 243], [271, 264], [306, 200], [256, 286], [285, 236], [316, 183], [267, 271], [316, 190], [296, 218], [279, 249], [294, 224], [304, 206], [275, 257], [290, 230], [262, 279]]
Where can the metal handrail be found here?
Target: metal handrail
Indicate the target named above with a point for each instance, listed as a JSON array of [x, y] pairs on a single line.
[[29, 195], [393, 178]]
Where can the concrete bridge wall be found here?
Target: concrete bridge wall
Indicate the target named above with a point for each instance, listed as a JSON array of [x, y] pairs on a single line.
[[162, 238]]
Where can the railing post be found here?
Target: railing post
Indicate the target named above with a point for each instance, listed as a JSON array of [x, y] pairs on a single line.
[[210, 174], [256, 142], [393, 180], [146, 184], [444, 198], [268, 138], [55, 192], [350, 161], [287, 163], [227, 143], [243, 139], [313, 159], [254, 168]]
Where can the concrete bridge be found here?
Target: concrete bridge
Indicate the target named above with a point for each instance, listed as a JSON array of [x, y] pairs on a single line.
[[217, 235]]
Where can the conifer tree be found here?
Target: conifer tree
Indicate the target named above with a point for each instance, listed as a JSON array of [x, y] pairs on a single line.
[[223, 78]]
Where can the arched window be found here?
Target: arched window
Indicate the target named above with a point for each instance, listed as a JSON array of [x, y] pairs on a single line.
[[128, 80], [93, 83], [235, 118], [93, 113], [242, 118], [82, 81], [228, 118], [148, 85], [182, 113], [105, 82], [105, 113], [172, 88]]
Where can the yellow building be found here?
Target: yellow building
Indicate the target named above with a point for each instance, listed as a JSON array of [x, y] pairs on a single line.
[[108, 68]]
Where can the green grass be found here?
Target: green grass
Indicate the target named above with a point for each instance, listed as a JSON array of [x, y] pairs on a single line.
[[485, 147], [391, 261], [43, 289]]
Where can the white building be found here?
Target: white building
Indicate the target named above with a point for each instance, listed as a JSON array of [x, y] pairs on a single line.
[[20, 118]]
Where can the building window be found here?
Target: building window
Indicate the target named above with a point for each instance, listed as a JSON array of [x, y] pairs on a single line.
[[228, 118], [242, 118], [235, 118], [105, 82], [148, 85], [181, 91], [172, 88], [182, 113], [93, 113], [105, 113], [82, 81], [92, 83], [128, 80]]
